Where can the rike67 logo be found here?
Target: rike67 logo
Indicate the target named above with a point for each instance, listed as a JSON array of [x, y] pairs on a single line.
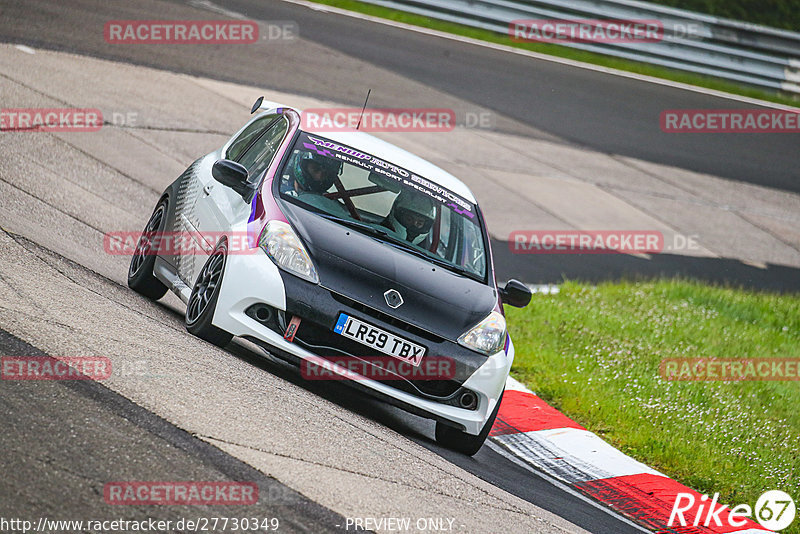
[[775, 510]]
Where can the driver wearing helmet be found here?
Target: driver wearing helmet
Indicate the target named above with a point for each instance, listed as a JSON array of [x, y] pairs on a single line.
[[315, 173], [310, 176], [411, 216]]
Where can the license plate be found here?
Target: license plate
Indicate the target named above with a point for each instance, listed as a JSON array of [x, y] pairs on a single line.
[[379, 339]]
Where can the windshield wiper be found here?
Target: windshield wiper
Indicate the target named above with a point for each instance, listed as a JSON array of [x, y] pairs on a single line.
[[405, 246], [386, 237], [356, 224], [433, 259], [399, 243]]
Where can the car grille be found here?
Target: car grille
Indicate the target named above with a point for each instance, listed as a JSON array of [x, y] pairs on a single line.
[[329, 345], [386, 318], [324, 343]]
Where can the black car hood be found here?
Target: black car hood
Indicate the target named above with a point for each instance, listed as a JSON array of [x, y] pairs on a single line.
[[363, 268]]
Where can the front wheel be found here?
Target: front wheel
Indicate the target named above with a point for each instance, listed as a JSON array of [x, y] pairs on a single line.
[[140, 273], [203, 300], [454, 439]]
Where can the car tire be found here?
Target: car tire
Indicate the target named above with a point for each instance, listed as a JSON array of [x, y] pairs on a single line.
[[140, 272], [201, 306], [459, 441]]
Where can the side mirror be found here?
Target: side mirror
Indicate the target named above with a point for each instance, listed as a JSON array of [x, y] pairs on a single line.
[[515, 294], [232, 174]]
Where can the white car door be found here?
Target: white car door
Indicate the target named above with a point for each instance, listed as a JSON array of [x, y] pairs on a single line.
[[221, 210]]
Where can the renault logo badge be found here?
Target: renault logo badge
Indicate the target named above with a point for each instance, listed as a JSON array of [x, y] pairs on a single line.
[[393, 298]]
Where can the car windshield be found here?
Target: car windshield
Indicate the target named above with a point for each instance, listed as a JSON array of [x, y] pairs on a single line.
[[390, 203]]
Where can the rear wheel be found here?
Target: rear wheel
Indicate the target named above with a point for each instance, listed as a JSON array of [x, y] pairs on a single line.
[[140, 272], [203, 300], [460, 441]]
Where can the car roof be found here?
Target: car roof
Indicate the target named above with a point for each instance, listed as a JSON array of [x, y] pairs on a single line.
[[391, 153]]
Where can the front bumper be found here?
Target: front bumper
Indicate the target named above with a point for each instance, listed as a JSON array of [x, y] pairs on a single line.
[[253, 279]]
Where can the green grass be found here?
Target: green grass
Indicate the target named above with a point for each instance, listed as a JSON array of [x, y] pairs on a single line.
[[594, 353], [565, 52]]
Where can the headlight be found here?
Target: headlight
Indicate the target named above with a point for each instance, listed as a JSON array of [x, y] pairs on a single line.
[[280, 242], [488, 336]]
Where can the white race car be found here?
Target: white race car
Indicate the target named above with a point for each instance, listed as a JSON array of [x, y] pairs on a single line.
[[346, 256]]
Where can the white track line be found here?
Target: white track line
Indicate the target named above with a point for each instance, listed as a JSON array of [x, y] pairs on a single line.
[[573, 455], [499, 449]]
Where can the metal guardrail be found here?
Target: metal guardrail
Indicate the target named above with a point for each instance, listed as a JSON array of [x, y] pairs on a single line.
[[703, 44]]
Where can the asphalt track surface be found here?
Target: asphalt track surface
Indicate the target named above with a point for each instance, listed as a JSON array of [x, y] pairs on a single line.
[[62, 441], [604, 112], [544, 100], [72, 459]]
